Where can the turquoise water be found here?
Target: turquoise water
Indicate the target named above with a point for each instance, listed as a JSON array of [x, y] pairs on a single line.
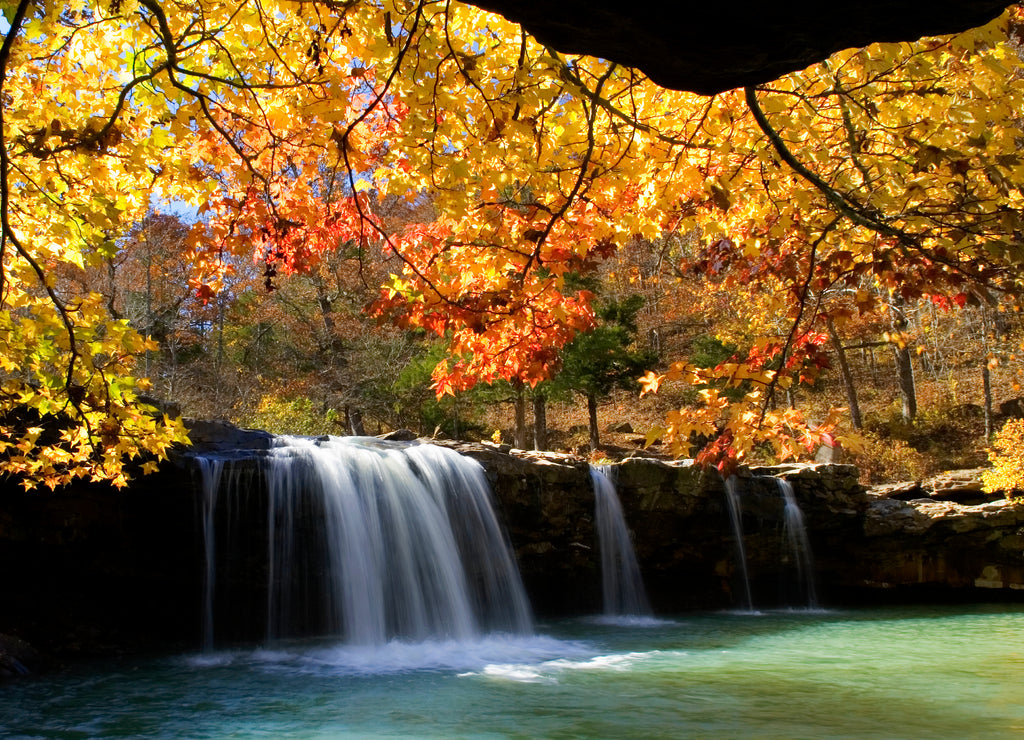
[[880, 673]]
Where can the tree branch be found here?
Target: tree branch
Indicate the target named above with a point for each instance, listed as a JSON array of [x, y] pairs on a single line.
[[6, 233], [844, 204]]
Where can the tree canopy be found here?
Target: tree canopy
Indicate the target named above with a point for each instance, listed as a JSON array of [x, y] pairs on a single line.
[[884, 174]]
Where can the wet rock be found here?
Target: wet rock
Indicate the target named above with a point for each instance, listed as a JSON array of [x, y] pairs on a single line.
[[18, 658]]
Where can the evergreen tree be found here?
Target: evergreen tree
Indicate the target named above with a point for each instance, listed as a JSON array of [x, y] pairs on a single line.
[[605, 358]]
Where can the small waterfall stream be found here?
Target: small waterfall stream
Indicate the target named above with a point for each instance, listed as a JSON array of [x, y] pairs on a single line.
[[385, 540], [732, 497], [796, 548], [795, 532], [621, 584]]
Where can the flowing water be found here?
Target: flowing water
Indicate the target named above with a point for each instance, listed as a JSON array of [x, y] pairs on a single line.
[[799, 546], [368, 541], [732, 498], [622, 586], [882, 673]]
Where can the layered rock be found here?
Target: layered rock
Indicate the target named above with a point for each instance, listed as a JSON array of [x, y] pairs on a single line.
[[937, 548]]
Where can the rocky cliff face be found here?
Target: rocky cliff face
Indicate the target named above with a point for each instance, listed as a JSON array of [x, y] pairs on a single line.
[[937, 539], [91, 570]]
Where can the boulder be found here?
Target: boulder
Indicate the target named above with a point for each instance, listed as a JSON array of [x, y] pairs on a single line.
[[905, 491], [960, 486], [619, 427], [218, 436], [399, 435], [941, 547]]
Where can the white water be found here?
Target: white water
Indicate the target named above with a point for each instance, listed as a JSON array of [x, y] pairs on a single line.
[[799, 545], [326, 658], [621, 583], [211, 474], [407, 545], [732, 497]]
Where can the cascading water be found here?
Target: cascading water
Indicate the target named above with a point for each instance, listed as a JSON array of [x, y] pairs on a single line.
[[732, 497], [211, 474], [385, 541], [799, 545], [621, 584]]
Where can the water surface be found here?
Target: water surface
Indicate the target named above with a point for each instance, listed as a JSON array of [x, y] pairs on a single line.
[[880, 673]]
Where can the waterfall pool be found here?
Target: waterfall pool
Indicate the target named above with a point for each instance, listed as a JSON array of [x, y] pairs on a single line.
[[922, 672]]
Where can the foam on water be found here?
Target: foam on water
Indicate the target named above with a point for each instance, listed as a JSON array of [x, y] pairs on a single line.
[[549, 671], [622, 620], [395, 656]]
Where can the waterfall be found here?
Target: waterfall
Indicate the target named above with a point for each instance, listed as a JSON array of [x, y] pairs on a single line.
[[621, 584], [795, 533], [211, 474], [371, 541], [732, 497]]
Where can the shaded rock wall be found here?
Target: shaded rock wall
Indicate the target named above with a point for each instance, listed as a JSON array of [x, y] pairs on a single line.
[[939, 549], [91, 570]]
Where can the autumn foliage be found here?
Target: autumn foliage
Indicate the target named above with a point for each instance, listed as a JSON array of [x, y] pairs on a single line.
[[1007, 458], [881, 176]]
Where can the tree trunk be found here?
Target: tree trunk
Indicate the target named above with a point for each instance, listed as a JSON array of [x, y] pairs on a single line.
[[112, 283], [220, 346], [868, 355], [905, 378], [904, 365], [355, 421], [332, 343], [540, 422], [520, 406], [986, 380], [845, 374], [456, 431], [595, 438], [986, 385]]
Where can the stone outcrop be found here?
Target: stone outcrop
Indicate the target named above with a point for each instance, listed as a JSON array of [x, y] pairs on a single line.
[[222, 436], [933, 546], [91, 570], [709, 47], [959, 486]]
